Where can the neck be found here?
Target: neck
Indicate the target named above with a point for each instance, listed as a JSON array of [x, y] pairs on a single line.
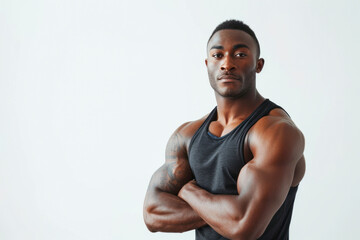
[[233, 109]]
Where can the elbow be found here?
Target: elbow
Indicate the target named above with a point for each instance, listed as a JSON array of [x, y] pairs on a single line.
[[243, 233], [151, 228], [240, 235], [150, 221], [150, 224]]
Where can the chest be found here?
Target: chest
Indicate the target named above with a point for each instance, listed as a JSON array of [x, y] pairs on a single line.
[[216, 163], [219, 130]]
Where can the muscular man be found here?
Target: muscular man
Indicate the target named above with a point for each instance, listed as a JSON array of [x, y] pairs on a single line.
[[234, 173]]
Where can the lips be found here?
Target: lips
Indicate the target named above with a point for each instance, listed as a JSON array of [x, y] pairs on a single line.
[[228, 76]]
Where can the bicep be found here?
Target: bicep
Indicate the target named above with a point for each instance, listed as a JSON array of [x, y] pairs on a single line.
[[261, 194], [170, 177], [176, 171], [264, 182]]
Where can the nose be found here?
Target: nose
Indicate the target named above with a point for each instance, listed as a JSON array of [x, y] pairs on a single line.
[[227, 64]]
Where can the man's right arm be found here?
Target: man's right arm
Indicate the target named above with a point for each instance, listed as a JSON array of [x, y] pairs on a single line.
[[163, 210]]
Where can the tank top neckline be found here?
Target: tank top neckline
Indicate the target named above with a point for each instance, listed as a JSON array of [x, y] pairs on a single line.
[[213, 116]]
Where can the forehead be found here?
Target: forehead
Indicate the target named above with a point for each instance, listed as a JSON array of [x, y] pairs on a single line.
[[231, 37]]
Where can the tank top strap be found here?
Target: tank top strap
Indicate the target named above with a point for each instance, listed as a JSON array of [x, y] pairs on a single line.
[[203, 126], [263, 110]]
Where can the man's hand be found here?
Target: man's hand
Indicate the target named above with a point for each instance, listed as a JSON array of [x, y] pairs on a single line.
[[190, 186]]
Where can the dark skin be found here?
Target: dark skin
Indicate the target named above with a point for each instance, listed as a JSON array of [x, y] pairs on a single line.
[[273, 151]]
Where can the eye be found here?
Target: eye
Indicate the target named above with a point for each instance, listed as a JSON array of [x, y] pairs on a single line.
[[217, 55], [240, 54]]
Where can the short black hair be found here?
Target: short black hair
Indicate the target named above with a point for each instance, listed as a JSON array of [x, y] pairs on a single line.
[[236, 25]]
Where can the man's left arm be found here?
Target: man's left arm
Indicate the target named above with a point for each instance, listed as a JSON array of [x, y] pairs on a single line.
[[263, 183]]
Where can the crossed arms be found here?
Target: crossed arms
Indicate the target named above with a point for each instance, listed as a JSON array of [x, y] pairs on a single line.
[[174, 203]]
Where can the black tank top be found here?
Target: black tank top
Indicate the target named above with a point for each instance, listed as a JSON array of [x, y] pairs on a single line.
[[216, 163]]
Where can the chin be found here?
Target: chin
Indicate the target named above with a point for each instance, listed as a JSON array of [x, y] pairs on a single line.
[[231, 95], [228, 93]]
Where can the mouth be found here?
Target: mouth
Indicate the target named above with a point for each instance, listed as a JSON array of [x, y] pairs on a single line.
[[228, 77]]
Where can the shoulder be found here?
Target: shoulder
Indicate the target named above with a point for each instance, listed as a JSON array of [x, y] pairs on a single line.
[[188, 129], [184, 133], [277, 134], [276, 123]]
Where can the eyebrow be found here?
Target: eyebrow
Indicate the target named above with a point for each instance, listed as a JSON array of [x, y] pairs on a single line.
[[234, 47], [240, 46], [217, 47]]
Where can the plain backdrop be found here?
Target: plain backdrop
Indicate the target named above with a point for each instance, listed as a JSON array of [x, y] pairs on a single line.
[[90, 92]]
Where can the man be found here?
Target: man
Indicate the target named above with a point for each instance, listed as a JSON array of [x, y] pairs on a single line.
[[234, 173]]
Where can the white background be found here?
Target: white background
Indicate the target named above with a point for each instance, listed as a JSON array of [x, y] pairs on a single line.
[[90, 92]]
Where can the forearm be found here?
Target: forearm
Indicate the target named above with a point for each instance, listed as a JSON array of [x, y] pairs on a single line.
[[221, 212], [166, 212]]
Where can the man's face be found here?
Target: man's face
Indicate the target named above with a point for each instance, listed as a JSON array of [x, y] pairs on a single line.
[[232, 63]]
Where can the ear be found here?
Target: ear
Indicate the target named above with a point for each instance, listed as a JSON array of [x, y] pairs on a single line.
[[259, 65], [206, 61]]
